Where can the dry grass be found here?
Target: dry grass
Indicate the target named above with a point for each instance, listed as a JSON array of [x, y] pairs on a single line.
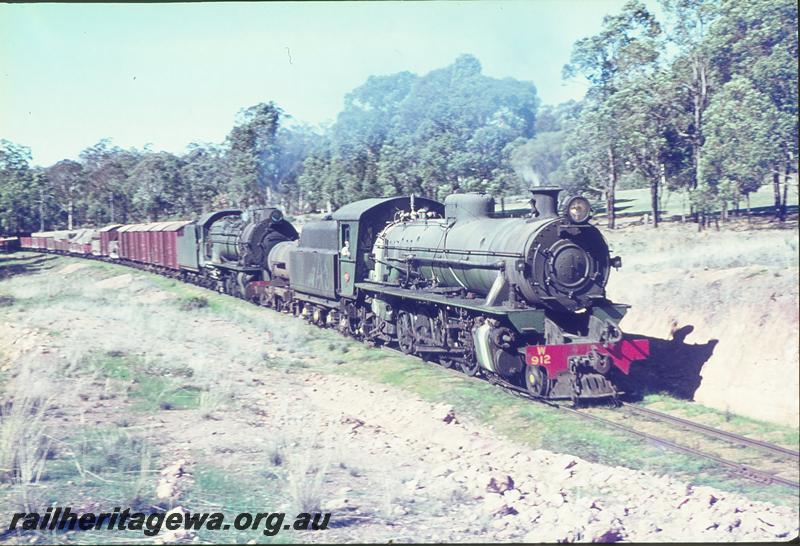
[[24, 446], [214, 399], [679, 246], [306, 480], [43, 383]]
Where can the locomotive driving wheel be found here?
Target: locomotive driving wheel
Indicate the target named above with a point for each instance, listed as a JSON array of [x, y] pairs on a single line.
[[469, 366], [446, 362], [536, 380], [352, 319], [405, 333]]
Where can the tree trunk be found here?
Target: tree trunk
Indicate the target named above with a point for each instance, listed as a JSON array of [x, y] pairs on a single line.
[[786, 178], [111, 207], [747, 198], [41, 209], [776, 190], [700, 101], [655, 193], [612, 189], [654, 201], [70, 207], [785, 197]]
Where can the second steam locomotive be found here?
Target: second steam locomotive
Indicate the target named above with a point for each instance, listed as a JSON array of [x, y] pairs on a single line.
[[520, 299]]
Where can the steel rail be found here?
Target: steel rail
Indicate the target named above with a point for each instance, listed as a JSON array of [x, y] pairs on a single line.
[[715, 432], [739, 468]]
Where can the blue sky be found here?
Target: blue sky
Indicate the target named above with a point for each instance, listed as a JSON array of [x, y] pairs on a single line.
[[171, 74]]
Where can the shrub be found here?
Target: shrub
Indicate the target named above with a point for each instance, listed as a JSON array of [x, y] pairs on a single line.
[[195, 302]]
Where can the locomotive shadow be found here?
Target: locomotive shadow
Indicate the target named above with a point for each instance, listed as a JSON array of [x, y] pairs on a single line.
[[12, 265], [673, 367]]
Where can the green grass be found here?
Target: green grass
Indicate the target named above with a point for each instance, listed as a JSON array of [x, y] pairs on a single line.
[[677, 203], [114, 365], [154, 393], [218, 490], [189, 296], [773, 432], [148, 388]]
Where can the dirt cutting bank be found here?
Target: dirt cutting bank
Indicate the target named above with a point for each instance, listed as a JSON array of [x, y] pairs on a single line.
[[733, 295]]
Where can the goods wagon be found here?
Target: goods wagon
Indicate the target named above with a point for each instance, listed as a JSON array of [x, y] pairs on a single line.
[[9, 244], [155, 243], [81, 241], [103, 246], [127, 242]]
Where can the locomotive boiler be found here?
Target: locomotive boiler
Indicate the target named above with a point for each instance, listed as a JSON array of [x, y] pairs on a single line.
[[558, 263]]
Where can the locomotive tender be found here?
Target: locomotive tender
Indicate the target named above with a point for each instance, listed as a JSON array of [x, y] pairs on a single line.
[[521, 299]]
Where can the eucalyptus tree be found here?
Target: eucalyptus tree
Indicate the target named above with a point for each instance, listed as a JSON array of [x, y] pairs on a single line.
[[19, 190], [110, 194], [758, 40], [649, 135], [203, 176], [67, 184], [449, 130], [251, 154], [691, 71], [156, 183], [461, 123], [541, 160], [739, 150], [626, 47], [294, 145]]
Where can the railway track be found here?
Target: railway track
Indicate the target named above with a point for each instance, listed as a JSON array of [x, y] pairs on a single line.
[[738, 468], [715, 432]]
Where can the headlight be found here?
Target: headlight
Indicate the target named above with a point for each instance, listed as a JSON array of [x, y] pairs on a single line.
[[578, 210], [276, 216]]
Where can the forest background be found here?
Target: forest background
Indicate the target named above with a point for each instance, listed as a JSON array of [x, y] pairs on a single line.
[[702, 103]]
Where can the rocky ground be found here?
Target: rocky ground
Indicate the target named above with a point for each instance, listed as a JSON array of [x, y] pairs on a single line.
[[388, 465]]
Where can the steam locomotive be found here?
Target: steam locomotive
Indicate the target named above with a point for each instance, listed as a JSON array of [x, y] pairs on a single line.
[[521, 299]]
